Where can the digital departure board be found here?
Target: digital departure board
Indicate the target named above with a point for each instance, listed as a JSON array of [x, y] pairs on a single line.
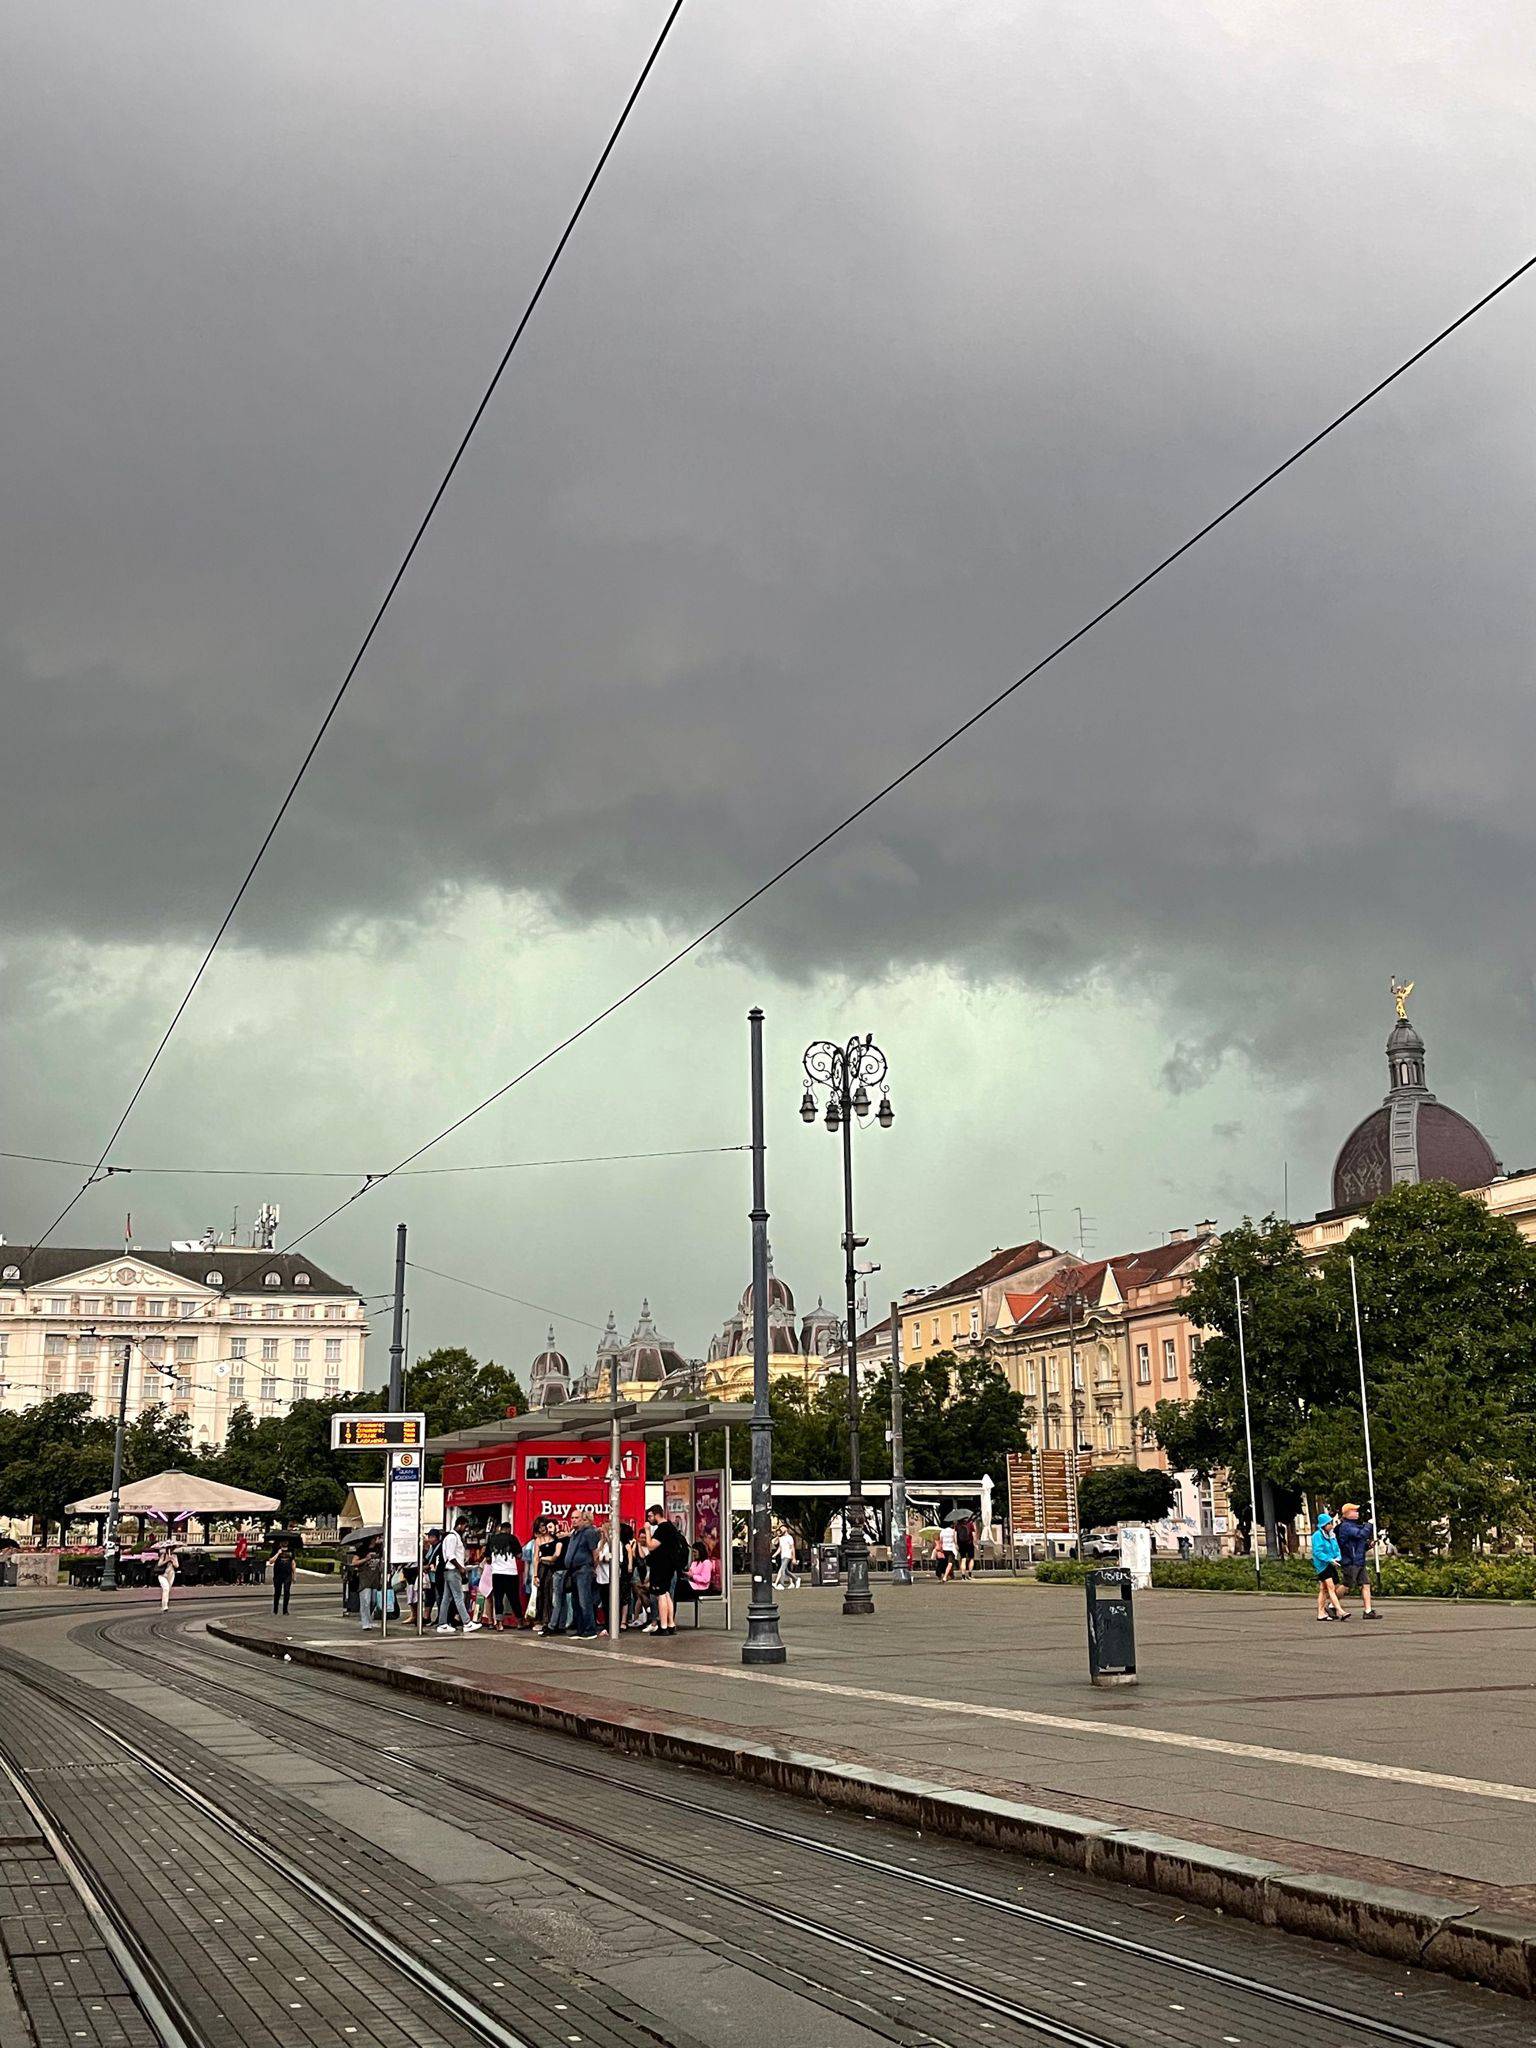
[[378, 1432]]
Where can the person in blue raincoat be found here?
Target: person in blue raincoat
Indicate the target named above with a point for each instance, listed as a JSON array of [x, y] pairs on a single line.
[[1325, 1562]]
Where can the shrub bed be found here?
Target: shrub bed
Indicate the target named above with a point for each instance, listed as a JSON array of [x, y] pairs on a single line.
[[1437, 1578]]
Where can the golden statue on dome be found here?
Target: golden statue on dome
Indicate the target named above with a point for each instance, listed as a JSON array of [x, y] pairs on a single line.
[[1401, 991]]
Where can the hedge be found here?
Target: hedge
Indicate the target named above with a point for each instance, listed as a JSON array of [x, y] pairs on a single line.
[[1438, 1578]]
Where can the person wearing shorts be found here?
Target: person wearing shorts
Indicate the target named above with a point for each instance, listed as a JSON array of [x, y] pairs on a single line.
[[1325, 1562], [1355, 1539]]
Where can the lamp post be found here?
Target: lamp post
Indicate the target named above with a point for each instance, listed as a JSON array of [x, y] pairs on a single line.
[[115, 1506], [847, 1073], [763, 1645]]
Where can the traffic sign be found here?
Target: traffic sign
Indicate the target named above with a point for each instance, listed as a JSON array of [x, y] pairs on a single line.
[[378, 1432]]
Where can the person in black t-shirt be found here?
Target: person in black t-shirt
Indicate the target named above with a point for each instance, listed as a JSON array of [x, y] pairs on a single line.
[[667, 1555]]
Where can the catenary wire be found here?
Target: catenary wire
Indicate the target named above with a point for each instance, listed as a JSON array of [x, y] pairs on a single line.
[[1106, 611], [378, 618], [345, 1173], [542, 1307]]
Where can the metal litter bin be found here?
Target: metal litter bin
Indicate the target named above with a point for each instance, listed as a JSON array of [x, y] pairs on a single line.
[[1111, 1626], [826, 1565]]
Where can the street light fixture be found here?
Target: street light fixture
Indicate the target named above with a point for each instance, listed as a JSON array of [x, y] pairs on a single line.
[[848, 1072]]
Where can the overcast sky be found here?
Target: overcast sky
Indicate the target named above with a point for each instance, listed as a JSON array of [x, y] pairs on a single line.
[[896, 340]]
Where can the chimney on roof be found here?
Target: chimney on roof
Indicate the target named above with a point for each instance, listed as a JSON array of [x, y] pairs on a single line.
[[1178, 1236], [1207, 1228]]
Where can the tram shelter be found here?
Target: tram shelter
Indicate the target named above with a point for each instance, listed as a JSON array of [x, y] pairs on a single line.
[[577, 1455]]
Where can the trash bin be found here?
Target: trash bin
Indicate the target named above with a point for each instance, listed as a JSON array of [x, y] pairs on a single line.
[[826, 1565], [1111, 1626]]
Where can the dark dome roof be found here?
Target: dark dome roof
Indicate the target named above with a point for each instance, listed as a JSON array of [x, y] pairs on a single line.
[[1411, 1137], [779, 1297], [1447, 1146]]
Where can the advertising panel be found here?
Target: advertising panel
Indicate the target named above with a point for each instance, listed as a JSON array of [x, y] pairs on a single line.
[[708, 1523]]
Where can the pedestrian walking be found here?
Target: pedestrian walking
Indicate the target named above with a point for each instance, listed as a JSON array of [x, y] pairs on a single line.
[[505, 1554], [1325, 1562], [455, 1559], [965, 1547], [282, 1578], [370, 1585], [1355, 1539], [170, 1565], [786, 1575], [546, 1553], [949, 1552], [242, 1558], [581, 1573]]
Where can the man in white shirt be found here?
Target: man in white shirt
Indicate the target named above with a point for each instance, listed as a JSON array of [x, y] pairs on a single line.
[[786, 1574], [453, 1580]]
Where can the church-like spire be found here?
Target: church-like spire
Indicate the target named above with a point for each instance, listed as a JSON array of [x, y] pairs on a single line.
[[1405, 1048]]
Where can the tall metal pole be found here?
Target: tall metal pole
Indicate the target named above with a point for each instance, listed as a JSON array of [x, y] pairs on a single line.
[[397, 1338], [1253, 1495], [1365, 1417], [857, 1598], [763, 1644], [901, 1571], [115, 1506], [615, 1546]]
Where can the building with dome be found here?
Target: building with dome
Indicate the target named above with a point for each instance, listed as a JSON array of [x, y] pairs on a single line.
[[549, 1376], [801, 1345], [648, 1364], [1411, 1136]]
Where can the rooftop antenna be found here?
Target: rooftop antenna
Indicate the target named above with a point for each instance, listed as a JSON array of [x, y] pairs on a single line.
[[1285, 1198], [1084, 1232], [1039, 1202]]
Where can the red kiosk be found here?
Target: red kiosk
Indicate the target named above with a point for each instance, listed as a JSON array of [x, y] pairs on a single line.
[[522, 1482]]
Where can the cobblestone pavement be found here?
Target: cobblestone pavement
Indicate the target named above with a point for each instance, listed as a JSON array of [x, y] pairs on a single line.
[[985, 1687], [570, 1896]]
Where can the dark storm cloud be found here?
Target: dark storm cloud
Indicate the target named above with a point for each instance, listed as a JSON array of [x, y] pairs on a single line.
[[880, 362]]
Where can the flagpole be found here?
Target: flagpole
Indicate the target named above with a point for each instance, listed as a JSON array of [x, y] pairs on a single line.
[[1253, 1492], [1365, 1419]]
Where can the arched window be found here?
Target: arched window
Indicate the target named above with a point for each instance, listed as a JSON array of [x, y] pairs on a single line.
[[214, 1279]]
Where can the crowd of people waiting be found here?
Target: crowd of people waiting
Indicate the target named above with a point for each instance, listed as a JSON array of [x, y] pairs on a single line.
[[559, 1583]]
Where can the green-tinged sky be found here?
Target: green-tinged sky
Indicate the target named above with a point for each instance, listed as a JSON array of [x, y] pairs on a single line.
[[894, 343]]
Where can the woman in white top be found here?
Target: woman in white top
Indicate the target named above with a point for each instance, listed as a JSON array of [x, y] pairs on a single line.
[[167, 1572]]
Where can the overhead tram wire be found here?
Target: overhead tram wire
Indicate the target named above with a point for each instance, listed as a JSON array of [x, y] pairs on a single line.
[[1107, 611], [543, 1307], [343, 1173], [378, 618]]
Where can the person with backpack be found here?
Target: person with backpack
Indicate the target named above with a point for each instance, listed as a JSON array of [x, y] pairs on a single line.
[[454, 1565], [667, 1555], [965, 1539]]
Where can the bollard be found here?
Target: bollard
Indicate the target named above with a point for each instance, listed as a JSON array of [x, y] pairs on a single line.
[[1111, 1626]]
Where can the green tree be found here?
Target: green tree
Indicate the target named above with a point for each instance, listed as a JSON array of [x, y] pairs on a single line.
[[158, 1440], [1448, 1328], [51, 1454], [1124, 1493], [455, 1391], [1295, 1365]]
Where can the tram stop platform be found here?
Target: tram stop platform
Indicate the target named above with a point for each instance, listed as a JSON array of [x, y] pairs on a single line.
[[1372, 1783]]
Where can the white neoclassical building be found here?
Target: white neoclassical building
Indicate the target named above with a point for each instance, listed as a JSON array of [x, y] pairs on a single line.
[[208, 1330]]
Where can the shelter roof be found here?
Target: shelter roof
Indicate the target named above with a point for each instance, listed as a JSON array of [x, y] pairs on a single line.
[[180, 1493], [592, 1421]]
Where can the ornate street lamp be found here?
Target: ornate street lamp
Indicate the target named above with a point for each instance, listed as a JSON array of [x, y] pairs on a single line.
[[847, 1073]]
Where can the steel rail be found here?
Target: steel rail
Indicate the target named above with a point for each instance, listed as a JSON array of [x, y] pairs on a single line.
[[1213, 1973], [146, 1982], [381, 1942]]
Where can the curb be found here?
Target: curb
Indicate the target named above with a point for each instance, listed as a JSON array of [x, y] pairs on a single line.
[[1483, 1945]]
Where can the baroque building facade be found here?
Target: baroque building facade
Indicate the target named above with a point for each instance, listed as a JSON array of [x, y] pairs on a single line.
[[208, 1329]]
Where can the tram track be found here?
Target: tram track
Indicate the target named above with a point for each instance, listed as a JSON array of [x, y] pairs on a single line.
[[1216, 1976], [168, 2012]]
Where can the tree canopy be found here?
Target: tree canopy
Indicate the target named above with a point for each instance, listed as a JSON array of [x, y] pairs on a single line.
[[1448, 1320]]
